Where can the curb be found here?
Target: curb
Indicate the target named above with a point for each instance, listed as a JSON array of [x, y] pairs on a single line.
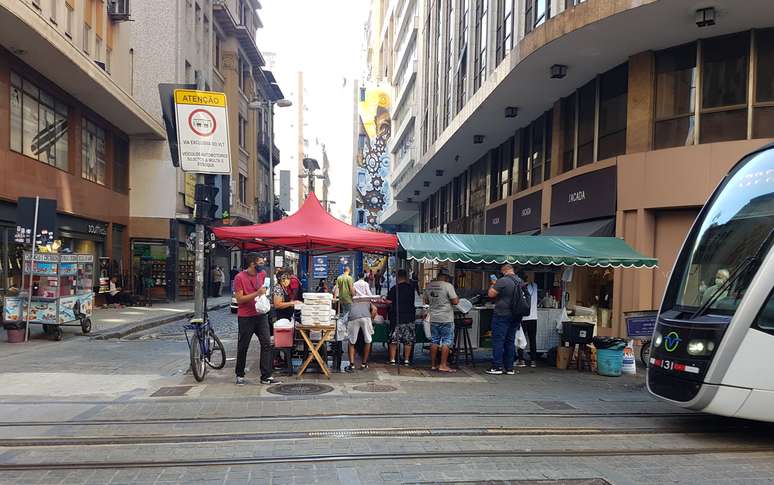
[[131, 328]]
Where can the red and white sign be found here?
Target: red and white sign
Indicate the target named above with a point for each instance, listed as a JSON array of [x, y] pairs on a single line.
[[202, 131]]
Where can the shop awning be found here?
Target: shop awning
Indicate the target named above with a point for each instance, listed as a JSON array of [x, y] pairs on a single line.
[[597, 228], [311, 228], [524, 250]]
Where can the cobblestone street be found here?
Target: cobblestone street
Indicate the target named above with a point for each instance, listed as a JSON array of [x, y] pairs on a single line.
[[94, 411]]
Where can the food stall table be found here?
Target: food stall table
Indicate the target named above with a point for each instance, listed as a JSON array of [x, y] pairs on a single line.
[[327, 332]]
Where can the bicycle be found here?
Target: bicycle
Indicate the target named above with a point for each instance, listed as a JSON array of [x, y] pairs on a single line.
[[205, 347]]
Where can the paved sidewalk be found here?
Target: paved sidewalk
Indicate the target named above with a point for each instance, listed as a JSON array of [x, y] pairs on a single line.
[[110, 323]]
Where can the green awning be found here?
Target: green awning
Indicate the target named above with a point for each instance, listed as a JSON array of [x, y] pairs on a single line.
[[524, 250]]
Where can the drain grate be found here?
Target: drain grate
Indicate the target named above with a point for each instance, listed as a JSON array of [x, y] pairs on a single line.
[[172, 391], [373, 387], [300, 389], [554, 405]]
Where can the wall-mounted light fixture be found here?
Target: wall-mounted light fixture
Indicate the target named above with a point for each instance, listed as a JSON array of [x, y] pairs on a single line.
[[426, 183], [511, 112], [416, 193], [478, 139], [558, 71], [409, 200], [705, 17], [439, 173]]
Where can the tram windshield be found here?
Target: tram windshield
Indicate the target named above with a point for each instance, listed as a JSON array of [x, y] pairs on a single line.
[[735, 226]]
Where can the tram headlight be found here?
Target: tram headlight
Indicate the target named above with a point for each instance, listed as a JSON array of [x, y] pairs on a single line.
[[700, 347], [658, 340]]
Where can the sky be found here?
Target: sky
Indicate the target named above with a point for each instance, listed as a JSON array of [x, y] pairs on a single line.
[[324, 39]]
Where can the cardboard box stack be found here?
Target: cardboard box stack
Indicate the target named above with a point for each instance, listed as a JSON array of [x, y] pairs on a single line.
[[317, 309]]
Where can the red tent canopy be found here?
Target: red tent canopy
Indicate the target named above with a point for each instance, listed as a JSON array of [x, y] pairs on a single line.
[[311, 228]]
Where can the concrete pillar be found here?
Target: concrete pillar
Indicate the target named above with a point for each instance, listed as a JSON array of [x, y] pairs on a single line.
[[639, 122]]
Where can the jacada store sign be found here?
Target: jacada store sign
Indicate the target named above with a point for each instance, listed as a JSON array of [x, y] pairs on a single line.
[[202, 131], [588, 196]]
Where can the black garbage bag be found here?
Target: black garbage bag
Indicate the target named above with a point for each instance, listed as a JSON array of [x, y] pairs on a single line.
[[608, 342]]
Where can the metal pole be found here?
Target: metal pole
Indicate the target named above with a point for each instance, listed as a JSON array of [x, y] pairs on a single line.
[[199, 265], [271, 185], [32, 271]]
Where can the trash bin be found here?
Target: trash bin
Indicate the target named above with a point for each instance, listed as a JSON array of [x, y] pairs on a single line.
[[609, 362]]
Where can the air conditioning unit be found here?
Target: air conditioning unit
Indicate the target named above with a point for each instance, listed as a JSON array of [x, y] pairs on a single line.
[[118, 10]]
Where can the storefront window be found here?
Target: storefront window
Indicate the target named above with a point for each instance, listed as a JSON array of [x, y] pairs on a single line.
[[675, 96], [38, 123], [460, 196], [537, 132], [613, 89], [93, 152], [724, 88], [549, 116], [763, 113]]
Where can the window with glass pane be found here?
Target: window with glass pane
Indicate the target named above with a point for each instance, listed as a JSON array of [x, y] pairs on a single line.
[[242, 189], [516, 158], [765, 319], [443, 213], [494, 175], [613, 90], [586, 114], [38, 123], [437, 73], [434, 210], [524, 159], [504, 29], [529, 11], [675, 96], [506, 159], [93, 162], [724, 88], [449, 62], [763, 112], [568, 133], [462, 64], [548, 144], [479, 63], [536, 151]]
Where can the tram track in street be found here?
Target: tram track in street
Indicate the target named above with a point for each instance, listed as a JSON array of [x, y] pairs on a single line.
[[32, 442], [357, 416], [393, 456]]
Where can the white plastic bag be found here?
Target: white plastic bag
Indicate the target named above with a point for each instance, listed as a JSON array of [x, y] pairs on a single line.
[[262, 305], [428, 329], [521, 339]]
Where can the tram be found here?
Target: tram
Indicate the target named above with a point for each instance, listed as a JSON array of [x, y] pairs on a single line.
[[713, 345]]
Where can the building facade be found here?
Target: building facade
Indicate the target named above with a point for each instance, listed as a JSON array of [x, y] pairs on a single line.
[[596, 117], [69, 122], [210, 45]]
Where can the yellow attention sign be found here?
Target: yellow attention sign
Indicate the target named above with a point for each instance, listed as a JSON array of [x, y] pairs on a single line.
[[202, 98]]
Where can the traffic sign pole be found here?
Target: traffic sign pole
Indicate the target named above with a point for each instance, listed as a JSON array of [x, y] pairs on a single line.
[[200, 286]]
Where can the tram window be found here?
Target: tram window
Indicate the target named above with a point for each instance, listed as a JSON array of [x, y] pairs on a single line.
[[765, 319], [735, 225]]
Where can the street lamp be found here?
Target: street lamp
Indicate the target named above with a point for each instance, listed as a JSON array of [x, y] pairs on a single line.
[[257, 104]]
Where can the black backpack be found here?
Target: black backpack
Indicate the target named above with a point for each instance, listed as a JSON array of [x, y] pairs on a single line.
[[521, 301]]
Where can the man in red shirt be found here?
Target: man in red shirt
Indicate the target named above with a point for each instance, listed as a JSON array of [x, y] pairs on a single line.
[[248, 285]]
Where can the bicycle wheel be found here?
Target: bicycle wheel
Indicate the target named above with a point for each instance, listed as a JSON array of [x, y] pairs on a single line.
[[217, 358], [198, 365]]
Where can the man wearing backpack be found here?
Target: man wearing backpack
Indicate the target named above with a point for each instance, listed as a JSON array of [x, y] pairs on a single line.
[[509, 308]]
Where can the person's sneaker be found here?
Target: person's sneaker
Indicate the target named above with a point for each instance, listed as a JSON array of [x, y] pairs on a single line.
[[350, 369], [510, 372], [533, 364], [406, 363], [270, 380], [495, 371], [364, 366], [392, 362], [240, 381], [521, 363]]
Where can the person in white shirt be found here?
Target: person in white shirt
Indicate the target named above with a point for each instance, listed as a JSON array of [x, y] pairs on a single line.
[[360, 318], [529, 323]]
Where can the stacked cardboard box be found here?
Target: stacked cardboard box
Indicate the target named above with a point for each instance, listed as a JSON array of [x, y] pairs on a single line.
[[317, 309]]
